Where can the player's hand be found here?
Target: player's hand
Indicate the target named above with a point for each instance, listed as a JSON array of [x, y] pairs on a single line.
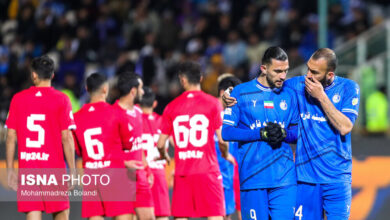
[[227, 99], [231, 159], [273, 134], [134, 165], [12, 177], [164, 156], [151, 180], [314, 87], [73, 174]]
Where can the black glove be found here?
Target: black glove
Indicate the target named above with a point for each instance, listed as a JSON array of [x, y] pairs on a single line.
[[273, 134]]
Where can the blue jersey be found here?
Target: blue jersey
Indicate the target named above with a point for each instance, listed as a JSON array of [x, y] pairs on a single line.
[[261, 166], [226, 168], [324, 155]]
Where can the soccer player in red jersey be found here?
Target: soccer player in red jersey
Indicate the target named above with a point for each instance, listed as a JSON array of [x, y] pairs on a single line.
[[150, 135], [130, 90], [193, 118], [40, 119], [102, 133]]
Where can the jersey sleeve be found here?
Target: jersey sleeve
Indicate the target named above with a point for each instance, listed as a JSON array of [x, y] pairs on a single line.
[[77, 146], [166, 122], [125, 131], [294, 111], [12, 115], [231, 115], [350, 105], [65, 116]]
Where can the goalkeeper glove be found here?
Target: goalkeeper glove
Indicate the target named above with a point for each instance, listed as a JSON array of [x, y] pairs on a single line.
[[273, 134]]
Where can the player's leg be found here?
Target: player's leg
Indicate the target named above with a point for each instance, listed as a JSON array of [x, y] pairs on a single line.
[[208, 195], [96, 218], [282, 202], [254, 204], [309, 202], [337, 200], [215, 218], [162, 218], [34, 215], [61, 215], [122, 217], [144, 213]]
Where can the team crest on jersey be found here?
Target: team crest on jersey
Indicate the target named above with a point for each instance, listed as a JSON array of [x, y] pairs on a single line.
[[336, 98], [283, 105], [254, 102], [355, 101]]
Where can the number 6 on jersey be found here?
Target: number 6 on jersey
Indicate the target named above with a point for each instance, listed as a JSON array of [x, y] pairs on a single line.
[[197, 123]]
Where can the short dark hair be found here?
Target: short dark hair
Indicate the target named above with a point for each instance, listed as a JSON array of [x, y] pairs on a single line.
[[327, 54], [95, 81], [227, 82], [276, 53], [43, 66], [127, 81], [191, 70], [148, 97]]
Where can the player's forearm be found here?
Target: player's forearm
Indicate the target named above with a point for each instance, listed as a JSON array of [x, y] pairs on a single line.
[[231, 133], [69, 150], [336, 118], [223, 146], [292, 134], [10, 148], [161, 143]]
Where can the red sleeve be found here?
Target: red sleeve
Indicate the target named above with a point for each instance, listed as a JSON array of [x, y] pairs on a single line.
[[216, 116], [166, 122], [12, 115], [66, 118], [125, 130]]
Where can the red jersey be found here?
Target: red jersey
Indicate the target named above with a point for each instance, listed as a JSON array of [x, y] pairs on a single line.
[[135, 118], [38, 115], [102, 133], [150, 135], [192, 119]]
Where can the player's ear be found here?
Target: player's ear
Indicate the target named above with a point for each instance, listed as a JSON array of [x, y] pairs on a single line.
[[155, 103], [263, 69], [201, 79], [330, 74], [52, 76]]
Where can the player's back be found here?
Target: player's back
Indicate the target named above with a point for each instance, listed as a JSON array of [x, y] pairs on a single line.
[[39, 114], [192, 119], [101, 135], [150, 134]]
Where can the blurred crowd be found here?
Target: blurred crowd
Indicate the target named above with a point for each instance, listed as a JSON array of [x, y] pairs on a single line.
[[152, 37]]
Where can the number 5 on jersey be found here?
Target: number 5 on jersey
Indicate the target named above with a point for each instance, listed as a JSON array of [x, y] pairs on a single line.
[[198, 127]]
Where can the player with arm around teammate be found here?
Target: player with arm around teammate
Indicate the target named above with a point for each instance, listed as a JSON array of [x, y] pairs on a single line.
[[262, 122]]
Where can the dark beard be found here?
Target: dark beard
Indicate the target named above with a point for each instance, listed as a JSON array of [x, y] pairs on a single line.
[[270, 83], [325, 82]]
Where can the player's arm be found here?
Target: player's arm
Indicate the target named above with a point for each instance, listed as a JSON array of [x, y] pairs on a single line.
[[339, 121], [224, 147], [10, 154], [161, 147], [68, 146]]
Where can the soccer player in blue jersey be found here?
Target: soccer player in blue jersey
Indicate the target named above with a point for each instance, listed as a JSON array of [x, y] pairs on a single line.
[[328, 107], [226, 167], [265, 114]]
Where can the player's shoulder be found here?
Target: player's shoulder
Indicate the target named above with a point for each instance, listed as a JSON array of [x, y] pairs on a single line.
[[293, 82], [349, 83], [244, 87], [137, 109]]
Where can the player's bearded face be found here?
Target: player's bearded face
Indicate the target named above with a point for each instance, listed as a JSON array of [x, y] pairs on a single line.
[[276, 73], [140, 92]]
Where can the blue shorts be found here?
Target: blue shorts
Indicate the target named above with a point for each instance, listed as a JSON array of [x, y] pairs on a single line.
[[275, 203], [230, 202], [314, 199]]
